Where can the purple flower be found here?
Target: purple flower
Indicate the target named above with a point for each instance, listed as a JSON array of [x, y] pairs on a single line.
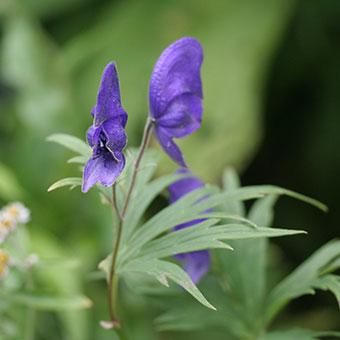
[[106, 136], [175, 94], [196, 263]]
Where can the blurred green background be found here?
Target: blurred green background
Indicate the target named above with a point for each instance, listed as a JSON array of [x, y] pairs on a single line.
[[271, 80]]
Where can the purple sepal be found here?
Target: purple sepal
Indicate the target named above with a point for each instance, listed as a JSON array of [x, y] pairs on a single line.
[[175, 94]]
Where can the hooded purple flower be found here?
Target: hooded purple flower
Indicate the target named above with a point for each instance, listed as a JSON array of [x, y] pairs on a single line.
[[106, 136], [196, 263], [175, 94]]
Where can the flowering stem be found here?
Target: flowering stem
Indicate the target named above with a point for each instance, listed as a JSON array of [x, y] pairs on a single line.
[[113, 279], [145, 141]]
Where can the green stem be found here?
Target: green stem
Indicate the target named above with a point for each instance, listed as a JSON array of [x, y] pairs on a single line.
[[145, 141], [113, 277], [112, 281]]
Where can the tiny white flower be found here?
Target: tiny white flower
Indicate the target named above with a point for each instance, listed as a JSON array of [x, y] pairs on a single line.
[[7, 222], [18, 212], [31, 260]]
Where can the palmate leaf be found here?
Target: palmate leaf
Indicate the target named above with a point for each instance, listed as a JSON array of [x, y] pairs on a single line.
[[242, 272], [183, 314], [72, 143], [148, 243], [306, 278], [187, 209]]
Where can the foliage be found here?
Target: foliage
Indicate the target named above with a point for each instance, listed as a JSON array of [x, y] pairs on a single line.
[[246, 302]]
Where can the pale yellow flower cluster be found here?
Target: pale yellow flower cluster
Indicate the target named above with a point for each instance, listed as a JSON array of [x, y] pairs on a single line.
[[4, 262], [10, 216]]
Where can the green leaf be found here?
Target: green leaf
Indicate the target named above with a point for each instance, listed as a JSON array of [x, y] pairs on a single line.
[[78, 159], [206, 236], [301, 334], [303, 280], [142, 200], [52, 303], [69, 181], [331, 283], [72, 143], [247, 263], [31, 64], [146, 170], [231, 182], [188, 208], [163, 270]]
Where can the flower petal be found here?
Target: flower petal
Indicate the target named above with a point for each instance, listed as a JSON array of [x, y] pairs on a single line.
[[103, 168], [176, 72], [115, 136], [93, 135], [195, 263], [169, 146], [108, 99], [183, 116]]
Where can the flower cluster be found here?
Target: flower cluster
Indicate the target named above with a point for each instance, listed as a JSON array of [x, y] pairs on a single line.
[[106, 136], [10, 216], [175, 101]]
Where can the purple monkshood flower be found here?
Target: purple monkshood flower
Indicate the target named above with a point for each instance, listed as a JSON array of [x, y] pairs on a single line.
[[175, 94], [106, 136], [196, 263]]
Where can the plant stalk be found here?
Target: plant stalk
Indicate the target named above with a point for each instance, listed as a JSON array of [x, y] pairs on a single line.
[[113, 278]]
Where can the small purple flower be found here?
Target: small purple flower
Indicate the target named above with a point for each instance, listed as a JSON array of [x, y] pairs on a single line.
[[106, 136], [196, 263], [175, 94]]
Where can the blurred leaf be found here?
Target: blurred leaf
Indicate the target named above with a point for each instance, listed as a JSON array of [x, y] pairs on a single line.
[[70, 142], [331, 283], [63, 281], [70, 181], [301, 334], [51, 8], [78, 159], [304, 279], [10, 189], [31, 65], [52, 303]]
